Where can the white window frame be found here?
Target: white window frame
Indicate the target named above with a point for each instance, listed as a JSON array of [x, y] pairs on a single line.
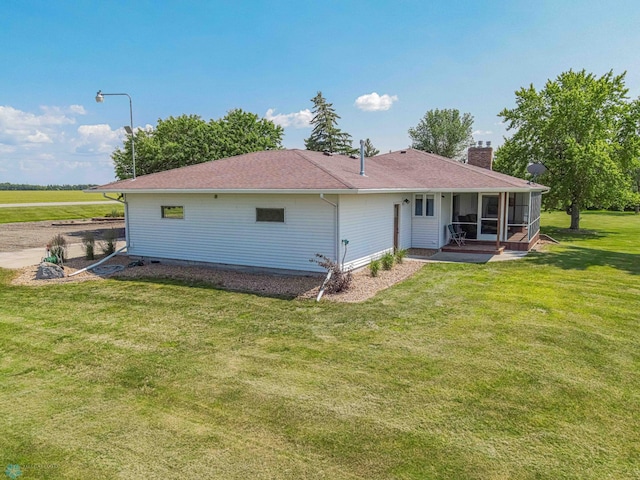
[[424, 197]]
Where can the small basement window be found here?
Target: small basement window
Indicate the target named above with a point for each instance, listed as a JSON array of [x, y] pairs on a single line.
[[173, 211], [423, 205], [270, 215]]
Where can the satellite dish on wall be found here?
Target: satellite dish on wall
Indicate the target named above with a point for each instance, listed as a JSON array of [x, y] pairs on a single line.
[[536, 169]]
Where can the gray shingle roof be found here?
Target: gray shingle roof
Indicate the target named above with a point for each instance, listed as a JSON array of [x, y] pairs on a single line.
[[306, 170]]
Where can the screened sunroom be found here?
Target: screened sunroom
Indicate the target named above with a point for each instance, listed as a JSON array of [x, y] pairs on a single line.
[[511, 218]]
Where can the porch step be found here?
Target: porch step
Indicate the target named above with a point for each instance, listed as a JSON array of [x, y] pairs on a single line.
[[473, 248]]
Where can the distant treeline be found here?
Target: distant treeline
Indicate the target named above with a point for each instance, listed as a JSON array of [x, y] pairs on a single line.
[[22, 186]]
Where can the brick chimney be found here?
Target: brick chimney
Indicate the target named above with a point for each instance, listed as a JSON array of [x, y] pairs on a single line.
[[480, 156]]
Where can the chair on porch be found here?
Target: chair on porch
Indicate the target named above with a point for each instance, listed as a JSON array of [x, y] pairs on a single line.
[[458, 237]]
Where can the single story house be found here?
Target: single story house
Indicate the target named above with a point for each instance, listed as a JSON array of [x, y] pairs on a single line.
[[279, 208]]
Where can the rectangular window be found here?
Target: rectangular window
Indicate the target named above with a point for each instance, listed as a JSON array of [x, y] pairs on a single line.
[[429, 202], [270, 215], [418, 209], [172, 212], [424, 205]]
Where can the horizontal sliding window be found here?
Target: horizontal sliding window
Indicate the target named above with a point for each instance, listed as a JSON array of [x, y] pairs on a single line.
[[172, 211], [270, 215]]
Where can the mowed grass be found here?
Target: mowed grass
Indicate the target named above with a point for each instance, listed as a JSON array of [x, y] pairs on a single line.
[[519, 370], [58, 212], [54, 212], [41, 196]]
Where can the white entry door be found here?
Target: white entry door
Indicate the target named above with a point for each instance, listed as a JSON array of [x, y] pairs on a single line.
[[488, 216]]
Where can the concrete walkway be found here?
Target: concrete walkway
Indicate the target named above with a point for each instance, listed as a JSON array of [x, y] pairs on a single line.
[[33, 256], [56, 204], [455, 257]]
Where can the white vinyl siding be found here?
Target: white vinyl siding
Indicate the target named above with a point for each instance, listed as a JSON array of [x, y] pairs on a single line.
[[367, 222], [224, 229], [425, 229]]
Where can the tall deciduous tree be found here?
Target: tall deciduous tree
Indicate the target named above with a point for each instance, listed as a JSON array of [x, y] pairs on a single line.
[[188, 140], [326, 136], [443, 132], [584, 130]]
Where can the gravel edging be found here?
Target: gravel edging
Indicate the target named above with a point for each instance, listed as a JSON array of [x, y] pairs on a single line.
[[363, 287]]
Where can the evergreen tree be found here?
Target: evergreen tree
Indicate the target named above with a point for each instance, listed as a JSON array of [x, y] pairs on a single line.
[[369, 149], [326, 136]]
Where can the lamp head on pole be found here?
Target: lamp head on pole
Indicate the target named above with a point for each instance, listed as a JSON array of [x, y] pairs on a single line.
[[99, 97]]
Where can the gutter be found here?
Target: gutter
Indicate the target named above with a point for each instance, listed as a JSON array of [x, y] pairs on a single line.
[[344, 191], [336, 247]]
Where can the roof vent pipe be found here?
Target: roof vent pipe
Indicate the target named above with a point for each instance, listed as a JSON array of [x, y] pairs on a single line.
[[362, 158]]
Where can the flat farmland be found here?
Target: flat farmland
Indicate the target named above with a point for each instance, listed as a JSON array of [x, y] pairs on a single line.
[[46, 196]]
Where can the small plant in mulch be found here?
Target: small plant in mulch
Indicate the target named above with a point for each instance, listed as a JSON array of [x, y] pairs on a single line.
[[400, 255], [108, 244], [89, 244], [387, 261], [58, 247], [340, 280], [374, 268]]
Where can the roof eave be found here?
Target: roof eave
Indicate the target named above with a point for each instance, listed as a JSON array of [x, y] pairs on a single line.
[[315, 191]]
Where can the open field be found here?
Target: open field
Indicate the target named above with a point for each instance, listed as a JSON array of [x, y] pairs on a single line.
[[41, 196], [519, 370], [58, 212], [54, 212]]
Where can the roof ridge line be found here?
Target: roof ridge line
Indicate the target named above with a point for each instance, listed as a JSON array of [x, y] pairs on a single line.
[[474, 168], [316, 164]]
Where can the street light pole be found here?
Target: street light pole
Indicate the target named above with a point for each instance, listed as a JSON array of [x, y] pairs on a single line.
[[100, 98]]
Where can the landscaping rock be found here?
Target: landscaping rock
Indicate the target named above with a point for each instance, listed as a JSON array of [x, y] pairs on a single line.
[[47, 271]]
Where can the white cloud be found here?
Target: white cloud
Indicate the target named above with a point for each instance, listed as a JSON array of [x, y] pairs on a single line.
[[26, 128], [39, 137], [6, 148], [47, 146], [77, 109], [482, 132], [97, 139], [301, 119], [372, 102]]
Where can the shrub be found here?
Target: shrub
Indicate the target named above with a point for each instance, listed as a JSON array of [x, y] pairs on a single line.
[[340, 280], [374, 267], [115, 213], [89, 244], [400, 254], [109, 241], [387, 261], [58, 247]]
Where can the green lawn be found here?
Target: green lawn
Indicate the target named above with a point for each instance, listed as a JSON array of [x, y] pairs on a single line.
[[519, 370], [59, 212], [56, 212], [39, 196]]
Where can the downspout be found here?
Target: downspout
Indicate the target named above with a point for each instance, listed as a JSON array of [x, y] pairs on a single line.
[[126, 217], [336, 247]]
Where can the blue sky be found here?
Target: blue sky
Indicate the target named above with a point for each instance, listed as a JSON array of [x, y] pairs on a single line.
[[400, 58]]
